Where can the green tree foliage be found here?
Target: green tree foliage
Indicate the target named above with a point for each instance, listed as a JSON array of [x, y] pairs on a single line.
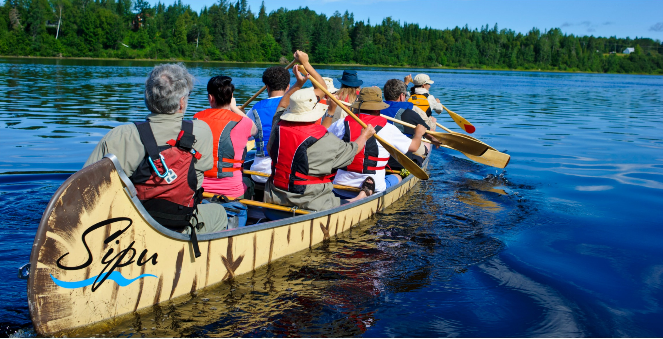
[[230, 31]]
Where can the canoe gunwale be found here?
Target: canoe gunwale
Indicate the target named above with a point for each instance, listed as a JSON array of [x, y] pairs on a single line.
[[131, 191]]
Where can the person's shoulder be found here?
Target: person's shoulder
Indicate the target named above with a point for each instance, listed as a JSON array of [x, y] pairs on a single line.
[[389, 129], [121, 131], [200, 127]]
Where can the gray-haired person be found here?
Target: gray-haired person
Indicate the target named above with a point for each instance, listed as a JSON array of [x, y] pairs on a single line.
[[167, 89]]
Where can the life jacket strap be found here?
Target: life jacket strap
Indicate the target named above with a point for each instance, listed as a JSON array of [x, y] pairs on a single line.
[[308, 179], [312, 180]]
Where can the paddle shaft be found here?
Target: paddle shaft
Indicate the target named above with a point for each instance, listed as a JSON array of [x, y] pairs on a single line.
[[406, 162], [468, 136], [263, 174], [260, 204], [265, 87]]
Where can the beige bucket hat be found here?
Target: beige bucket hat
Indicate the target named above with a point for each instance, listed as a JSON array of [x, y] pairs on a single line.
[[370, 98], [330, 84], [422, 79], [304, 107]]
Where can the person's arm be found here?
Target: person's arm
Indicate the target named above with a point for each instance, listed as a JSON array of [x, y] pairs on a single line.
[[233, 107], [416, 139], [301, 79], [329, 118], [408, 79], [302, 58], [435, 104]]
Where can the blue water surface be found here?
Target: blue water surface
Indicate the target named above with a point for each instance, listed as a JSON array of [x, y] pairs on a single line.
[[565, 242]]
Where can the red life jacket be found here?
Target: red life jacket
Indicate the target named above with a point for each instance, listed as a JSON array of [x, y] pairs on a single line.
[[366, 161], [289, 158], [222, 122], [166, 179]]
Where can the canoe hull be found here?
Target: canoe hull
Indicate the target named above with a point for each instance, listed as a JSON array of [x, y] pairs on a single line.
[[98, 255]]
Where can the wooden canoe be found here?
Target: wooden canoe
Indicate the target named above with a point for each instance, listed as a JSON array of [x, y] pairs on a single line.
[[98, 254]]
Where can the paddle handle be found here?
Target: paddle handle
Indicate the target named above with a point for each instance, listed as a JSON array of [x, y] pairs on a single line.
[[264, 87]]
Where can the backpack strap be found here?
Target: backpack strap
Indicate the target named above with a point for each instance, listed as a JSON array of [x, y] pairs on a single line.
[[186, 139], [148, 140]]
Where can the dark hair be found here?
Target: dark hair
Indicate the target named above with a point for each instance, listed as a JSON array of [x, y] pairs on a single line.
[[412, 89], [276, 78], [393, 89], [221, 88]]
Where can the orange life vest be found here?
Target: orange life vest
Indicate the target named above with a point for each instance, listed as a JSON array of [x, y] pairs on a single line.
[[222, 122]]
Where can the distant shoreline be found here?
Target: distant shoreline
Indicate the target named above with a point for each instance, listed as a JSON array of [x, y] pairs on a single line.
[[317, 64]]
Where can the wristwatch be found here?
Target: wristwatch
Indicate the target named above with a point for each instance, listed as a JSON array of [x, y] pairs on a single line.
[[327, 116]]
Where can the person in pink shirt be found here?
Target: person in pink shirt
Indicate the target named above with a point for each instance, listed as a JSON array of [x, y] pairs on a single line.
[[231, 130]]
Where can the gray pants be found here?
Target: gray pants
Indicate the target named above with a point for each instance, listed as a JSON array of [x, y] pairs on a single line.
[[214, 217]]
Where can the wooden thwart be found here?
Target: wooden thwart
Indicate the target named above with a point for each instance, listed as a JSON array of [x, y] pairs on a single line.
[[260, 204]]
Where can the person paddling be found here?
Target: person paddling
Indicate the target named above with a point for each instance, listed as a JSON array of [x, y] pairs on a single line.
[[421, 97], [304, 155], [165, 156], [373, 159], [277, 80], [350, 87], [231, 129]]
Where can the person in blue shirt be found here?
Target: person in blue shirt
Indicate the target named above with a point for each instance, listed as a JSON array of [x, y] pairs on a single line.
[[395, 96], [277, 80]]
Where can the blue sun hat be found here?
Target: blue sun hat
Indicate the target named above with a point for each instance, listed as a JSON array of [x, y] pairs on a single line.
[[350, 79]]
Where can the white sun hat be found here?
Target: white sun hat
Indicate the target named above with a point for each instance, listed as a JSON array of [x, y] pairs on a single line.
[[330, 85], [304, 107], [422, 79]]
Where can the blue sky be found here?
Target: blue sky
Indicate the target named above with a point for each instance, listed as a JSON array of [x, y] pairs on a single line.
[[641, 18]]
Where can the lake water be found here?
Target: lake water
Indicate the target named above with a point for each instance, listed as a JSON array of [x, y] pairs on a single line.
[[568, 241]]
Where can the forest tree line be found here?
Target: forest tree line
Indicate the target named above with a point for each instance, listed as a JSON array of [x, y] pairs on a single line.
[[230, 31]]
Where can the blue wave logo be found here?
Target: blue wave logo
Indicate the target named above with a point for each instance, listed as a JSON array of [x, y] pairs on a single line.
[[115, 276]]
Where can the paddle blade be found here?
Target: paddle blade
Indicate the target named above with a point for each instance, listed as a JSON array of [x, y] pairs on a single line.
[[491, 158], [462, 122], [402, 159], [461, 142], [251, 144]]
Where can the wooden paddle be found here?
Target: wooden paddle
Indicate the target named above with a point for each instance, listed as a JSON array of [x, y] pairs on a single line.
[[456, 141], [260, 204], [467, 136], [491, 157], [462, 122], [264, 87], [263, 174], [406, 162]]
